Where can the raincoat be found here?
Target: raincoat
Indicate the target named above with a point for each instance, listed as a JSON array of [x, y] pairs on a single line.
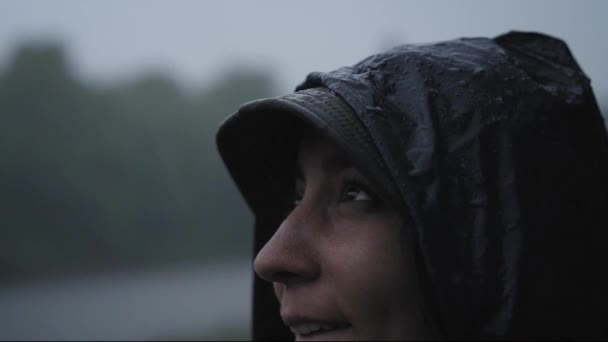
[[499, 154]]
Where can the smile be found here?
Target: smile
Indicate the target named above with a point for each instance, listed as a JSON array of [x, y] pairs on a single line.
[[310, 329]]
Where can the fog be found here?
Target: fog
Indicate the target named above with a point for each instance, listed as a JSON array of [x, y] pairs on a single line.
[[197, 40]]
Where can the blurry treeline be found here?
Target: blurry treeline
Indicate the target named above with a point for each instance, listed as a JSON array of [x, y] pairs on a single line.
[[118, 176], [96, 178]]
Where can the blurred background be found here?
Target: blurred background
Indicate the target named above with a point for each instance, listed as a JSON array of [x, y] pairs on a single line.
[[117, 217]]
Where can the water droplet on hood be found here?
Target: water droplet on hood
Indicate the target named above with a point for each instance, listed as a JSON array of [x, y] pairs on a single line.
[[479, 72], [551, 89]]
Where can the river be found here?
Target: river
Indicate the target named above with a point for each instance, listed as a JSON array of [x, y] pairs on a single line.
[[186, 301]]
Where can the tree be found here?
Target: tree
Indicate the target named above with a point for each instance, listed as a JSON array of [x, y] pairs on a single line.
[[120, 176]]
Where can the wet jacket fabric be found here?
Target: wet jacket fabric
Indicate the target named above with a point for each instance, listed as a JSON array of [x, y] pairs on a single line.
[[500, 154]]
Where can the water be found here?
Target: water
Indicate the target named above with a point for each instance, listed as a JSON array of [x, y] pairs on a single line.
[[177, 302]]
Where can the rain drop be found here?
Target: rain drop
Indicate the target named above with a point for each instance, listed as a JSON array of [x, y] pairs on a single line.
[[463, 83]]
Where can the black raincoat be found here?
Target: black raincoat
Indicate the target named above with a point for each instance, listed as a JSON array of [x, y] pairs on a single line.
[[500, 154]]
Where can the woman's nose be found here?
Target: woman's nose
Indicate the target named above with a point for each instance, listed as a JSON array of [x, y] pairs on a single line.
[[289, 256]]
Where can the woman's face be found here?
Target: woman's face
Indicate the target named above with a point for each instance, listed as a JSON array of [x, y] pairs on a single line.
[[340, 262]]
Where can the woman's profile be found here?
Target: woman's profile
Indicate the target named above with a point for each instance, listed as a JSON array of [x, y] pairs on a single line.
[[455, 190]]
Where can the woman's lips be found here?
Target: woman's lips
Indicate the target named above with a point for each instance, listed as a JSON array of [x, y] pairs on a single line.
[[306, 329], [310, 327]]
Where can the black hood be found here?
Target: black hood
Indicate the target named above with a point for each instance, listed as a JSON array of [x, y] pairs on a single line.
[[500, 154]]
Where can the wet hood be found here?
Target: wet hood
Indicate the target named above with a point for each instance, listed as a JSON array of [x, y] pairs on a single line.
[[500, 154]]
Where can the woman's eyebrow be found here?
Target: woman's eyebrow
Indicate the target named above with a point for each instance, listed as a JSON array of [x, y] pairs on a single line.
[[336, 163]]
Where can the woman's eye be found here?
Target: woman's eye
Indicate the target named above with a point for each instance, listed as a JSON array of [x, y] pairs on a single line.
[[354, 193], [357, 196], [298, 192]]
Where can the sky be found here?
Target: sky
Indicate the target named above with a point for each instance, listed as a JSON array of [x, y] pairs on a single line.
[[199, 41]]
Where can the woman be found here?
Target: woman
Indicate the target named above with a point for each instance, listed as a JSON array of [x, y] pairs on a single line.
[[454, 190]]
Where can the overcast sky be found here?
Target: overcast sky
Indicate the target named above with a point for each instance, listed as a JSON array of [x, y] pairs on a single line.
[[200, 40]]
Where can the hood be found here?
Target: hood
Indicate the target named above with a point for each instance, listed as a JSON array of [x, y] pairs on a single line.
[[498, 150]]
